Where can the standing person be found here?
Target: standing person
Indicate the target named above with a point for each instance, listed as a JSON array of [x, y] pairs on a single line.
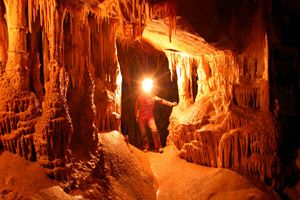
[[144, 114]]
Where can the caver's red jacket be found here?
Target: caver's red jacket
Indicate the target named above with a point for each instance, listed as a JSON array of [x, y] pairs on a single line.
[[145, 105]]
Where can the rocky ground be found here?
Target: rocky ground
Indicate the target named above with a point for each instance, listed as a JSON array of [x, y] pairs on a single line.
[[179, 179], [132, 174]]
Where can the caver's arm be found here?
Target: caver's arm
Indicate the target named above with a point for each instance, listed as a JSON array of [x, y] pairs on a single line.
[[164, 102]]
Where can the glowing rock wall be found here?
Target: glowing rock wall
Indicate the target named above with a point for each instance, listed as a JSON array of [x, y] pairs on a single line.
[[53, 54], [228, 123], [60, 80], [19, 107]]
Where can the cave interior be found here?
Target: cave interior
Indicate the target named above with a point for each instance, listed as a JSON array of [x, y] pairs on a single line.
[[71, 72]]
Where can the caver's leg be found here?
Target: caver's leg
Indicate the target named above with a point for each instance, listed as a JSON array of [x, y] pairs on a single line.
[[155, 135], [142, 125]]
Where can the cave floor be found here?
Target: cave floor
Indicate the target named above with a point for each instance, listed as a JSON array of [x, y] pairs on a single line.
[[132, 175], [178, 179]]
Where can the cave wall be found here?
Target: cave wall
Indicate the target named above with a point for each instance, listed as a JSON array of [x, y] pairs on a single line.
[[236, 26], [60, 78], [284, 87], [230, 122]]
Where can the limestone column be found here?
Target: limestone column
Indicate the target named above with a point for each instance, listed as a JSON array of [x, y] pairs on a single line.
[[52, 138], [3, 38], [55, 38], [17, 69]]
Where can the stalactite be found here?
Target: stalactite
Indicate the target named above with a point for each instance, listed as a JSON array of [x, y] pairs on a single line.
[[210, 72], [229, 124], [104, 59], [77, 60], [183, 65], [253, 151], [247, 96], [166, 9]]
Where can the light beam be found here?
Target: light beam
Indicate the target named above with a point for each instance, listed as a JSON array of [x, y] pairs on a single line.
[[147, 85]]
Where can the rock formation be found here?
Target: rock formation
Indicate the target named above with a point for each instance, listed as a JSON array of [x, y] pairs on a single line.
[[223, 117], [60, 77], [225, 121], [62, 63]]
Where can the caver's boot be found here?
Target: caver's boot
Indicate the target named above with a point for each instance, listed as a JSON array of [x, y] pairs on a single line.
[[157, 142], [160, 150], [145, 143], [146, 147]]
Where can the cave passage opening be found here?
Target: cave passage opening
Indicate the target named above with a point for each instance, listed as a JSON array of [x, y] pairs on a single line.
[[138, 61]]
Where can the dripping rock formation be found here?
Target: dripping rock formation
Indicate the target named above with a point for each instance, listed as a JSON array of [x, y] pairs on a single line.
[[225, 121], [70, 73]]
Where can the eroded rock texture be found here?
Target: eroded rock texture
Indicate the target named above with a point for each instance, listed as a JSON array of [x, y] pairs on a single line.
[[19, 106], [60, 80], [223, 117], [53, 55], [228, 124]]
